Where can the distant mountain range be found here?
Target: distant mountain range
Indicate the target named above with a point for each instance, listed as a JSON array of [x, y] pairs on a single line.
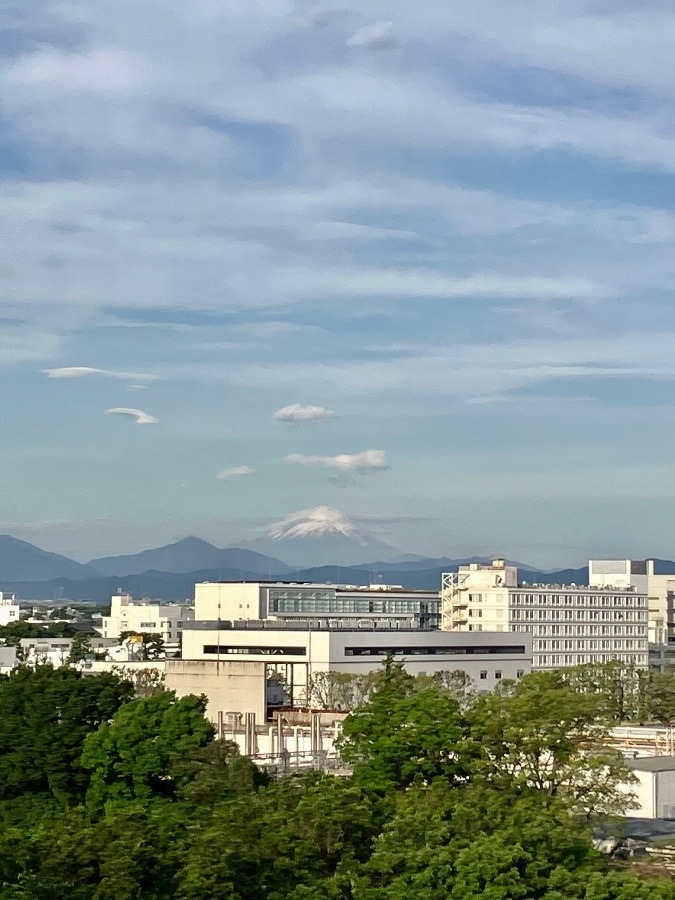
[[187, 555], [20, 561], [170, 572]]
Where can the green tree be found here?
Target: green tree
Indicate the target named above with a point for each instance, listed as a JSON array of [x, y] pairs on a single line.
[[133, 757], [153, 646], [661, 698], [542, 732], [45, 717], [80, 648], [403, 733]]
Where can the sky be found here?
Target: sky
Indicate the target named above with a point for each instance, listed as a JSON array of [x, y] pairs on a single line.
[[408, 263]]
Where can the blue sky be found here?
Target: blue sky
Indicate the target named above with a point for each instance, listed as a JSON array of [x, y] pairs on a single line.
[[446, 226]]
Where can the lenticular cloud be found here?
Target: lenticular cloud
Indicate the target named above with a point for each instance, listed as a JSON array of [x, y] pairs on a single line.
[[297, 414], [140, 417]]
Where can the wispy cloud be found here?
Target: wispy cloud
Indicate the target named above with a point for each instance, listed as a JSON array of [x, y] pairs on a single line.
[[367, 460], [297, 414], [141, 417], [87, 371], [378, 36], [236, 472]]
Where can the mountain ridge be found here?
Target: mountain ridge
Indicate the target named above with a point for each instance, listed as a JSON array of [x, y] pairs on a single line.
[[186, 555]]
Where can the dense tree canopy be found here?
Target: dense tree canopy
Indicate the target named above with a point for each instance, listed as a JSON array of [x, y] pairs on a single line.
[[105, 797]]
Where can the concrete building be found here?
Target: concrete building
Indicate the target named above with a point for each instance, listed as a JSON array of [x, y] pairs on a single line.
[[639, 574], [42, 650], [9, 609], [655, 788], [570, 625], [290, 601], [8, 660], [233, 663], [146, 617], [56, 650]]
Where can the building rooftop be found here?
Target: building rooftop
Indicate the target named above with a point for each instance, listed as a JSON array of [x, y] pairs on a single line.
[[330, 586], [652, 763]]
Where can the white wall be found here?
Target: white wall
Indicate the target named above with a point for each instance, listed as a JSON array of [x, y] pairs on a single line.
[[645, 793], [228, 601]]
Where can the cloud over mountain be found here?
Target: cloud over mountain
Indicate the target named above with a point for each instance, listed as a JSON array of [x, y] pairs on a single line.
[[319, 520]]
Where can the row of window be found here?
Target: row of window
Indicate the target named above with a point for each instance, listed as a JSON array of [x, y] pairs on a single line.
[[576, 615], [625, 644], [223, 650], [254, 651], [358, 605], [624, 600], [580, 659], [574, 630], [498, 674], [433, 651]]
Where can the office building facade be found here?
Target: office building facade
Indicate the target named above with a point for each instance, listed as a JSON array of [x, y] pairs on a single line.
[[570, 625]]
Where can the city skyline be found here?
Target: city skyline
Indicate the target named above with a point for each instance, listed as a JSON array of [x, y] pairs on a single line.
[[409, 265]]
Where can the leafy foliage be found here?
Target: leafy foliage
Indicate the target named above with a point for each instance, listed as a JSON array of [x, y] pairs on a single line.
[[45, 716], [451, 797], [132, 757]]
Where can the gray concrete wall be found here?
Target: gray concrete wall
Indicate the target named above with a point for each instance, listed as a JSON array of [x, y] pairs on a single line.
[[229, 686]]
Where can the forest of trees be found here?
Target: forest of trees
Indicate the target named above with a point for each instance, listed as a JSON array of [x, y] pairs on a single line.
[[110, 796]]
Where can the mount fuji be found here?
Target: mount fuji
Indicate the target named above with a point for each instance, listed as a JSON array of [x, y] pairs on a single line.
[[321, 536]]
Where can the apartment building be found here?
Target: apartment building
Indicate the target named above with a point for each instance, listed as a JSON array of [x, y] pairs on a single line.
[[660, 590], [570, 624], [292, 601]]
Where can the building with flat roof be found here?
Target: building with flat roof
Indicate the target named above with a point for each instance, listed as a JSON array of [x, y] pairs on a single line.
[[295, 651], [292, 601], [146, 617], [9, 608], [570, 624], [639, 574], [655, 788]]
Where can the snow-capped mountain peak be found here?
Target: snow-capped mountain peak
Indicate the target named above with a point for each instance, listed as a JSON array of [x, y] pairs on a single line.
[[321, 536], [316, 522]]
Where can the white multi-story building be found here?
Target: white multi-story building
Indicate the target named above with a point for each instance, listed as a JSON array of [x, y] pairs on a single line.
[[9, 609], [291, 601], [145, 617], [570, 625], [218, 657], [639, 574]]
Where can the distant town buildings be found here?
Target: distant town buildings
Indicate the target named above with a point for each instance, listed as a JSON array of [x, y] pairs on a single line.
[[146, 617], [249, 637], [570, 625], [9, 609]]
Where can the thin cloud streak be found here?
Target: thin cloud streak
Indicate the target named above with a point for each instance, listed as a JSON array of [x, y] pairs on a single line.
[[378, 36], [236, 472], [367, 460], [87, 371]]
